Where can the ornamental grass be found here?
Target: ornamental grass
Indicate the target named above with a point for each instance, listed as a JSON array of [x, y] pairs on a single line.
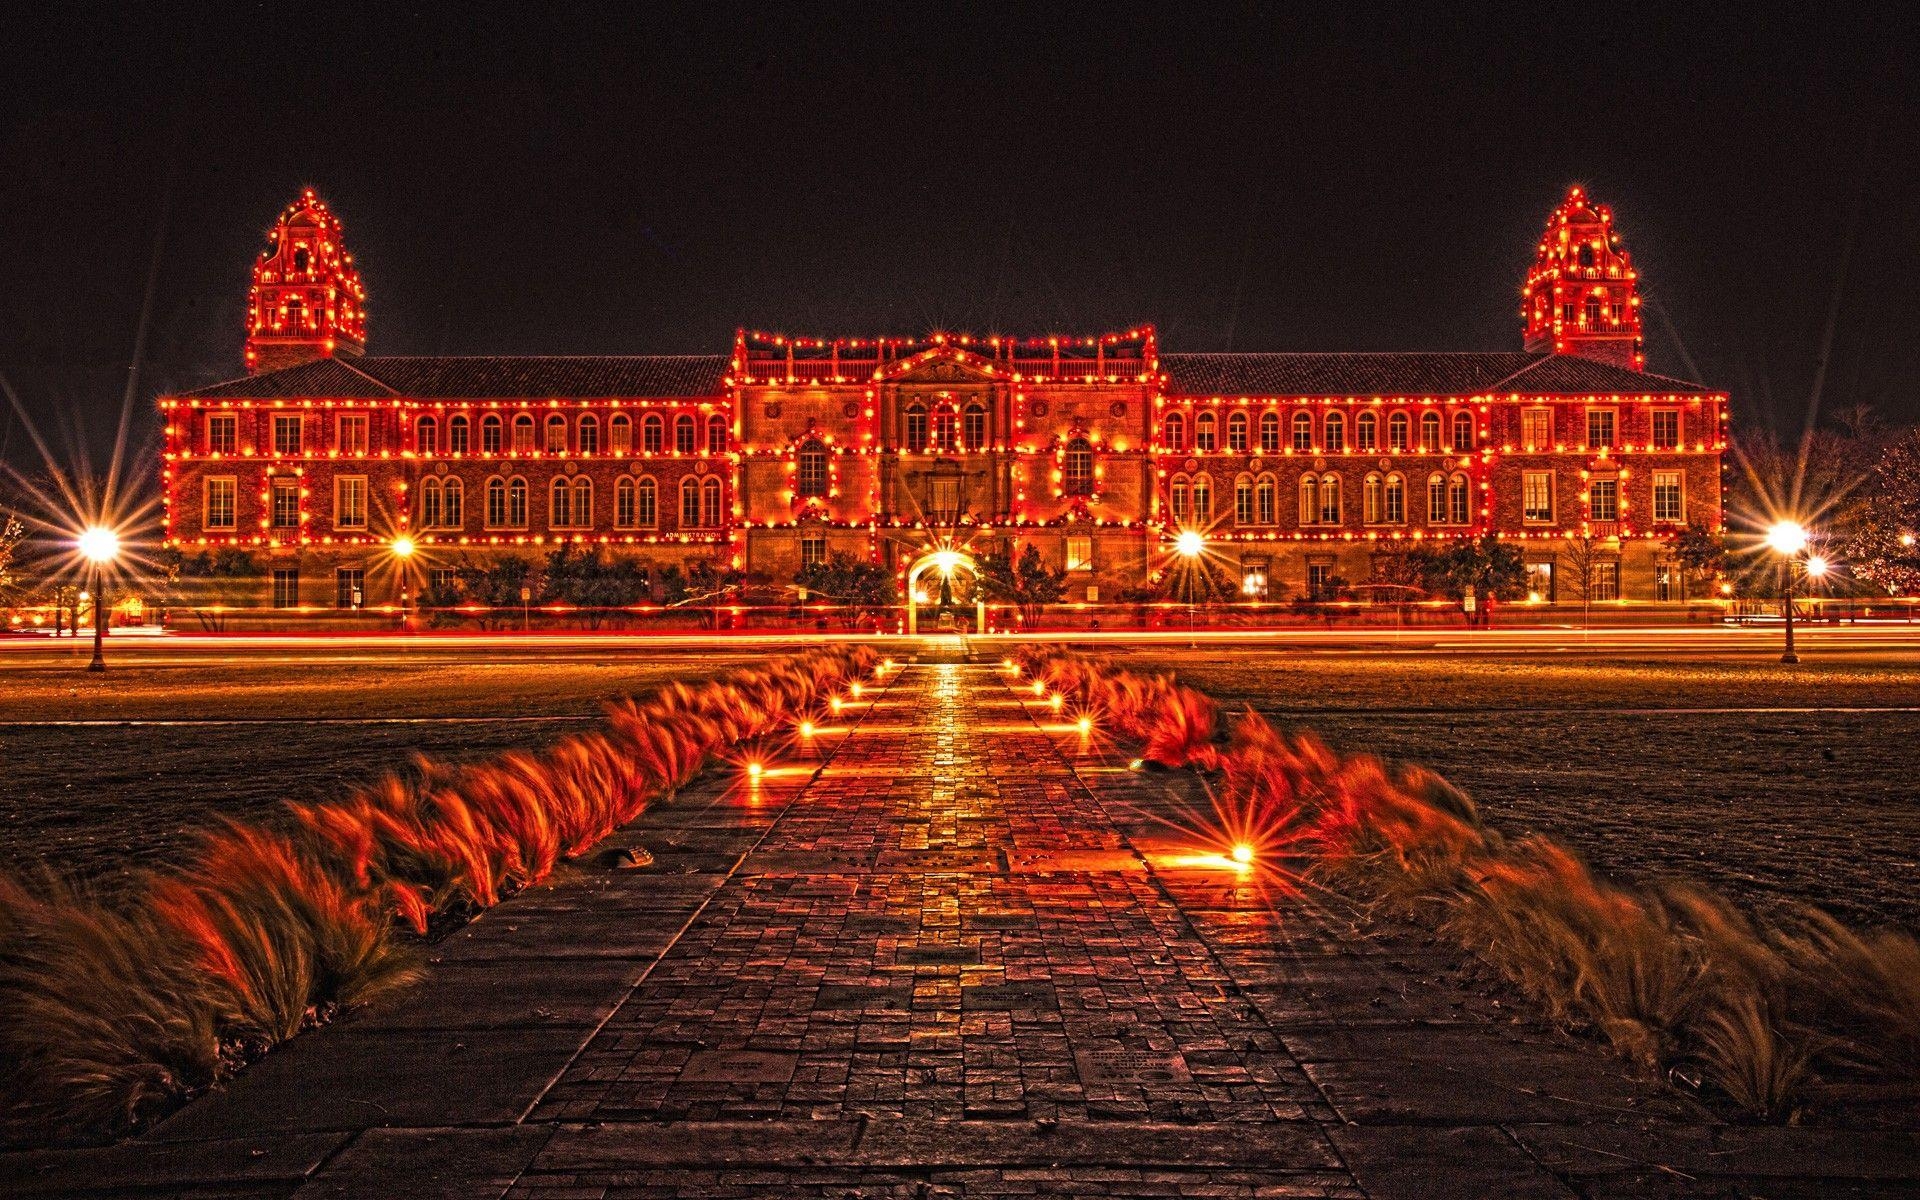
[[1763, 1011], [113, 1013]]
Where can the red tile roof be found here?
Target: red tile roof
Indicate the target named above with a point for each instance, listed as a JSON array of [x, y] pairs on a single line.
[[484, 378], [1404, 374]]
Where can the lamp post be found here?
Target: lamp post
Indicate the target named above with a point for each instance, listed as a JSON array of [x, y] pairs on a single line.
[[1788, 539], [1190, 545], [403, 548], [99, 545]]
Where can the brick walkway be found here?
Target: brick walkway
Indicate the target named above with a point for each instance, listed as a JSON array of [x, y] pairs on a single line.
[[971, 956]]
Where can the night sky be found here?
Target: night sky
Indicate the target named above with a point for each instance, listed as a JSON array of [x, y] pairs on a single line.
[[629, 183]]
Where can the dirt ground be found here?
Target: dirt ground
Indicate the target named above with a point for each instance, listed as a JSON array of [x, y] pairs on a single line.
[[1769, 784]]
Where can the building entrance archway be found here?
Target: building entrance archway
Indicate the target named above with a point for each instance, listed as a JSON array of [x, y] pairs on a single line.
[[945, 562]]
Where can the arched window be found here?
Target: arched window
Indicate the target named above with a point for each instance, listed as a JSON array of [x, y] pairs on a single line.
[[1436, 499], [1302, 431], [1463, 432], [453, 507], [653, 433], [1174, 432], [710, 502], [1330, 499], [1457, 500], [1309, 499], [646, 502], [588, 434], [1237, 433], [1243, 500], [429, 504], [1396, 499], [1269, 432], [556, 434], [523, 434], [517, 502], [490, 434], [1398, 427], [916, 427], [625, 515], [1266, 495], [1202, 500], [1206, 428], [946, 428], [457, 432], [973, 427], [1430, 432], [683, 434], [1366, 432], [1079, 468], [583, 503], [426, 437], [496, 503], [561, 514], [620, 433], [716, 434], [1336, 434], [1177, 493], [1371, 511], [813, 474], [689, 502]]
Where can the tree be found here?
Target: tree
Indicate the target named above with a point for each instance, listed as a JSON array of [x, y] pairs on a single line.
[[213, 581], [1701, 553], [709, 580], [1884, 544], [854, 583], [1023, 580], [496, 585], [1582, 557], [1489, 566], [12, 533], [594, 581]]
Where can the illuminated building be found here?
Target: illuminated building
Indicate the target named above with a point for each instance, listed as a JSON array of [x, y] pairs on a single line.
[[1298, 469]]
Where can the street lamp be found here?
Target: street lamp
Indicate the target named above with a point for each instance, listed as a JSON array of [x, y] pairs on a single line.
[[403, 548], [99, 546], [1190, 545], [1788, 539]]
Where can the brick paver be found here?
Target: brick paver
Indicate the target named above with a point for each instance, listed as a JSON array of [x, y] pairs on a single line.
[[973, 955]]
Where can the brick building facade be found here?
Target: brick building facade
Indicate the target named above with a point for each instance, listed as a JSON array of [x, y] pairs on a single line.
[[1297, 469]]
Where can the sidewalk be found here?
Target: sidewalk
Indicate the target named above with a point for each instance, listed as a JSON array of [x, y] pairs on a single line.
[[971, 956]]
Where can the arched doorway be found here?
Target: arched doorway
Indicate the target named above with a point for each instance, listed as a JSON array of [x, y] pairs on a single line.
[[945, 562]]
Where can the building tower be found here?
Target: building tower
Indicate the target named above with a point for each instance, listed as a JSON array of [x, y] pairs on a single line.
[[306, 301], [1581, 295]]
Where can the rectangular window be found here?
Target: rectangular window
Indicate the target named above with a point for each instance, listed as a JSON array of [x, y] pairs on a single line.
[[286, 434], [556, 435], [440, 581], [1237, 433], [350, 588], [353, 433], [1204, 437], [1536, 428], [622, 435], [1319, 581], [1540, 582], [350, 502], [1537, 496], [1604, 500], [589, 436], [943, 500], [523, 434], [813, 549], [1606, 580], [223, 433], [1666, 428], [1666, 583], [1667, 502], [1600, 427], [222, 491], [457, 435], [1253, 579], [286, 587], [285, 493], [1079, 554]]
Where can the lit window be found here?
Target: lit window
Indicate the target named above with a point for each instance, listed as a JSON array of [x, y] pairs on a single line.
[[620, 433], [286, 434], [710, 502], [943, 498], [653, 434], [1540, 581], [716, 434], [1079, 468], [1336, 435], [1269, 432], [523, 434], [428, 510], [1202, 500], [1177, 496], [223, 433], [1237, 433], [457, 432], [946, 429], [1366, 432], [350, 502], [975, 429], [222, 495], [1266, 495], [1667, 500], [490, 434], [813, 550], [1606, 580], [1206, 432], [689, 502], [1175, 435], [1330, 499], [452, 508], [916, 428], [1371, 501], [517, 502], [284, 493], [625, 515], [1396, 500], [556, 434], [1309, 500], [1536, 488], [1302, 432], [1430, 432], [646, 502], [426, 437], [1398, 426], [589, 434], [1536, 428], [1079, 554], [813, 473], [1604, 500], [352, 433], [1436, 499], [1600, 427], [1459, 500]]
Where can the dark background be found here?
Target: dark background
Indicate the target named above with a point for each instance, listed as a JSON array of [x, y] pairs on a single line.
[[633, 181]]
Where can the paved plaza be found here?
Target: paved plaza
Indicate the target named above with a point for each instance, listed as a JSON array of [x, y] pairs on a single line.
[[957, 949]]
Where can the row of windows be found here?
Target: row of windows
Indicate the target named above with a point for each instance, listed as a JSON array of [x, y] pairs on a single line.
[[945, 429], [560, 436], [1366, 430], [441, 503], [1321, 499]]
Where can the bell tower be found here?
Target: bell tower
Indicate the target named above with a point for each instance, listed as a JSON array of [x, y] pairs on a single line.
[[306, 301], [1581, 295]]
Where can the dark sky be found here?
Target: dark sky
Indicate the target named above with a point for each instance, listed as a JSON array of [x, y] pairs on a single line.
[[628, 182]]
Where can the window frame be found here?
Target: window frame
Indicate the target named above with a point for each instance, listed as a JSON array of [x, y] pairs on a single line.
[[232, 488]]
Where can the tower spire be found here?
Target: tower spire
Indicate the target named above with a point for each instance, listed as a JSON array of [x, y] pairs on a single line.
[[306, 301], [1582, 294]]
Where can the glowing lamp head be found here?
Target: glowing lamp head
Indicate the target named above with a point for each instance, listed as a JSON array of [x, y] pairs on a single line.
[[835, 703], [1243, 854], [98, 544], [1085, 724], [403, 547], [944, 561], [1787, 537], [806, 729], [1056, 701], [1039, 688], [856, 689], [1906, 539], [1817, 566], [754, 769], [1189, 543]]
